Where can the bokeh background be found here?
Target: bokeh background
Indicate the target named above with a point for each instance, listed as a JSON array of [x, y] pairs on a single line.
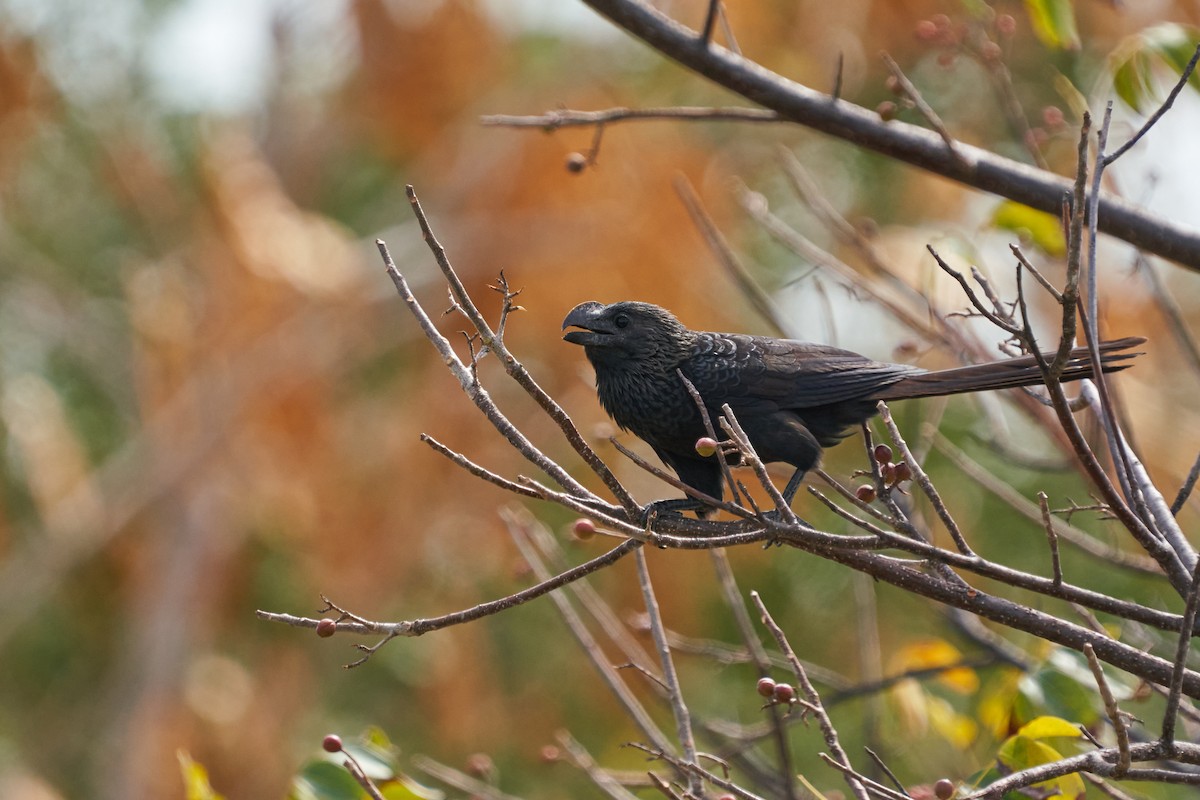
[[211, 396]]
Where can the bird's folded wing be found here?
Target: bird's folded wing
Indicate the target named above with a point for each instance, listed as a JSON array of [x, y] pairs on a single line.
[[752, 371]]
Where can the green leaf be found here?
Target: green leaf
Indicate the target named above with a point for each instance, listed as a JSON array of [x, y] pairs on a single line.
[[324, 780], [1054, 23], [1050, 691], [1132, 63], [405, 788], [1044, 230], [1020, 752]]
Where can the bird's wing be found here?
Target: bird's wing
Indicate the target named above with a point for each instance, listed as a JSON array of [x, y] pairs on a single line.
[[765, 373]]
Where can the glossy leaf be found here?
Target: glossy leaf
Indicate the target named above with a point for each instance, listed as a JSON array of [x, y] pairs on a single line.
[[1133, 64], [195, 779], [1042, 229], [1054, 23]]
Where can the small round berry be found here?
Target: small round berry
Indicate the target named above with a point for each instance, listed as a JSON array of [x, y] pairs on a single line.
[[944, 789], [332, 743], [550, 754], [480, 765], [326, 628], [784, 693], [893, 85], [766, 687], [706, 446], [940, 21], [865, 493], [888, 473], [1006, 25], [1053, 117], [990, 51], [576, 163], [886, 110], [926, 31], [583, 529], [903, 472], [883, 454]]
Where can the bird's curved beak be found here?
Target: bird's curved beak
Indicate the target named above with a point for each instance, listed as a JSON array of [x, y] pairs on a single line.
[[585, 316]]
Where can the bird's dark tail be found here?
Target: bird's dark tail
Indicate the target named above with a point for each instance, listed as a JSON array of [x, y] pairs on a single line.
[[1021, 371]]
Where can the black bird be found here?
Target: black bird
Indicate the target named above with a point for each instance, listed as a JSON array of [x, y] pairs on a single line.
[[792, 398]]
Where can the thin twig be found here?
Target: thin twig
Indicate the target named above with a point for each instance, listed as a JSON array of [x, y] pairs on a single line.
[[984, 477], [883, 767], [727, 582], [1163, 109], [419, 627], [922, 480], [710, 22], [553, 120], [811, 696], [633, 707], [728, 259], [458, 779], [870, 786], [683, 718], [1051, 538], [734, 492], [581, 758], [467, 381], [926, 110], [1181, 654], [1189, 484], [750, 457], [1114, 713], [513, 368]]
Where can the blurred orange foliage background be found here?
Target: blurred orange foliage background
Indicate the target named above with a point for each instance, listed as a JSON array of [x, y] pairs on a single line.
[[212, 396]]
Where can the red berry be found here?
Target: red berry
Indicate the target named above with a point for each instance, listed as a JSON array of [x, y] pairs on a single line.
[[903, 472], [584, 529], [944, 789], [990, 51], [865, 493], [766, 687], [480, 765], [1053, 117], [1006, 24], [888, 473], [332, 743], [706, 446], [886, 110], [784, 693], [883, 454], [940, 21], [550, 753], [576, 163], [926, 31], [326, 628]]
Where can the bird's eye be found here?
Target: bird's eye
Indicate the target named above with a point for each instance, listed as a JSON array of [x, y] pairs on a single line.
[[621, 320]]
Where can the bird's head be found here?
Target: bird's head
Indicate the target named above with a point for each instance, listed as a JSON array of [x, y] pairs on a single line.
[[628, 333]]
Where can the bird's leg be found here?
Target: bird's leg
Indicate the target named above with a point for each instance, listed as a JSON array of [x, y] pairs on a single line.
[[793, 485], [789, 493]]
